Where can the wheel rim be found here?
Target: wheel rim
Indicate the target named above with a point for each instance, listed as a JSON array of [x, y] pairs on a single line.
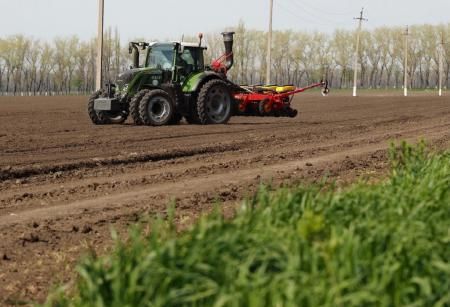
[[159, 109], [218, 104]]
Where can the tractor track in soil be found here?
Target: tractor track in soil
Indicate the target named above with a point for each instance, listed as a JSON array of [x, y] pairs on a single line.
[[65, 183]]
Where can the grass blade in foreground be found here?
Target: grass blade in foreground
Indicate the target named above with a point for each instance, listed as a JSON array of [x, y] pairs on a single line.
[[369, 245]]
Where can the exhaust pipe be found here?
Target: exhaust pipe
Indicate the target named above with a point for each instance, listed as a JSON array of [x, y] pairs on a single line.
[[133, 49], [228, 39]]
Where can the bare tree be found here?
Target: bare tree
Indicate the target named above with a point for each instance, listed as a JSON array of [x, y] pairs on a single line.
[[67, 65]]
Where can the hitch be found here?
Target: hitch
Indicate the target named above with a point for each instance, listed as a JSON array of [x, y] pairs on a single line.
[[325, 88]]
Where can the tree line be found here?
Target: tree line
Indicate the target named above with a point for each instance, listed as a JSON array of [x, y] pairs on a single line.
[[67, 65], [64, 66]]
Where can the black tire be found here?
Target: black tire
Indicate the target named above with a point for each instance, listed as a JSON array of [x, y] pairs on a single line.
[[92, 113], [292, 113], [156, 108], [134, 106], [176, 119], [214, 104], [104, 117], [192, 118]]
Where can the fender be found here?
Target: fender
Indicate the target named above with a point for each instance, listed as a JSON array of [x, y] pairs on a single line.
[[194, 82]]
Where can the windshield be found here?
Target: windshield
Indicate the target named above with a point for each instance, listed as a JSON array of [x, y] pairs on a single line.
[[161, 57]]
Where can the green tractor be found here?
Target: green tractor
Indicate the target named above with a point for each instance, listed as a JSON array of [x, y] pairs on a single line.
[[168, 81]]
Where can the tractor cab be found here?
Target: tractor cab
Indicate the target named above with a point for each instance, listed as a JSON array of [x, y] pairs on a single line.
[[189, 59], [182, 58]]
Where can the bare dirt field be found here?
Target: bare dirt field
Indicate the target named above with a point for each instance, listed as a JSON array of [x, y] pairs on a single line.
[[65, 183]]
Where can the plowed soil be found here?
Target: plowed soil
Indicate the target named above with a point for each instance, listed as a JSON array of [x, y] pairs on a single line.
[[65, 183]]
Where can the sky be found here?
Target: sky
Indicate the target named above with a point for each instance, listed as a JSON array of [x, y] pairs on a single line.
[[170, 19]]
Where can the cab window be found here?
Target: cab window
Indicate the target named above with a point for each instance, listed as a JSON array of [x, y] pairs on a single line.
[[192, 59], [161, 57]]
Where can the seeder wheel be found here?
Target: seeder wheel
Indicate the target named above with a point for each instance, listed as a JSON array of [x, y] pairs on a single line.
[[264, 107], [242, 107], [292, 113]]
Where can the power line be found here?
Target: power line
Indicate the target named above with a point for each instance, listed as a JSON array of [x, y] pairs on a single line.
[[302, 17], [405, 86], [441, 63], [322, 11], [355, 66], [269, 46], [101, 14], [309, 17], [303, 8]]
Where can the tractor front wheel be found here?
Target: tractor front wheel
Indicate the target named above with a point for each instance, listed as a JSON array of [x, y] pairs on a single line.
[[214, 103], [156, 108], [134, 106], [104, 117]]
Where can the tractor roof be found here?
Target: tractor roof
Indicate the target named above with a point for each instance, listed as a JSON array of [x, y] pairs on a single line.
[[185, 44]]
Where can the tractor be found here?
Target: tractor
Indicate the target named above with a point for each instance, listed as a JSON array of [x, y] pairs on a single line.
[[168, 81]]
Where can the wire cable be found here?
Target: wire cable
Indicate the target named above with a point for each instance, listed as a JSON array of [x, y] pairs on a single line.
[[322, 11], [316, 15], [306, 18]]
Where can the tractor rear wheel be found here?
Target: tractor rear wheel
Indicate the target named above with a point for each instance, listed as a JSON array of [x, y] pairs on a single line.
[[156, 108], [214, 103], [134, 106], [104, 117]]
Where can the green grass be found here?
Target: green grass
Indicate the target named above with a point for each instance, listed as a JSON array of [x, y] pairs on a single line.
[[367, 245]]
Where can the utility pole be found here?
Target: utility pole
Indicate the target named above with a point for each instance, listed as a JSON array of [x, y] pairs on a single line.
[[405, 86], [269, 46], [355, 65], [441, 63], [101, 14]]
